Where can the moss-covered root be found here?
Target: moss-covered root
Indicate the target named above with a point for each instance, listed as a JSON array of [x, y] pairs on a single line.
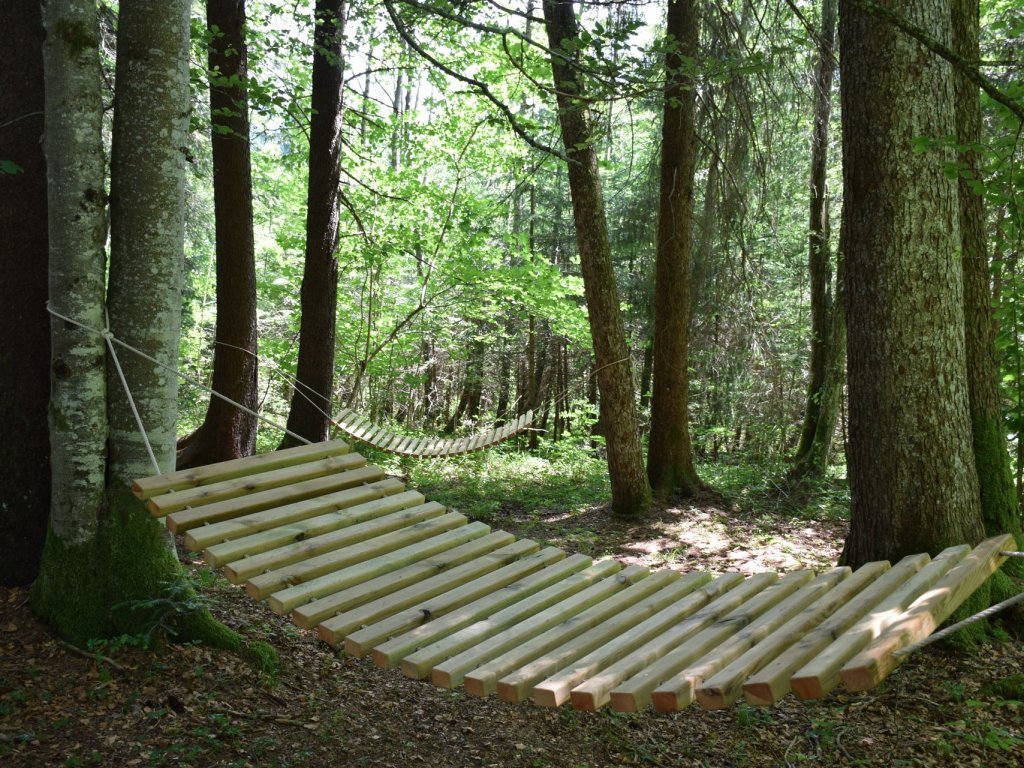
[[121, 581]]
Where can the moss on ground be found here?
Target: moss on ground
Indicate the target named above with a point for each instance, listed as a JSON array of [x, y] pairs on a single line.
[[127, 581]]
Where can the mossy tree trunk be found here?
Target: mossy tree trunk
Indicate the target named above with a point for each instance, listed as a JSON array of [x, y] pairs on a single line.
[[228, 432], [25, 352], [104, 551], [631, 493], [999, 508], [311, 402], [670, 466], [913, 481]]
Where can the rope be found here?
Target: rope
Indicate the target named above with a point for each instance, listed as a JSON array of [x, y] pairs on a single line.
[[184, 377], [108, 338], [992, 610]]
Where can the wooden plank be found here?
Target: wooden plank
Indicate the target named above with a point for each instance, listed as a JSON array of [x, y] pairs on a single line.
[[821, 674], [309, 615], [510, 634], [318, 576], [361, 641], [680, 692], [416, 446], [390, 653], [345, 418], [681, 644], [731, 590], [334, 630], [262, 531], [229, 509], [398, 513], [725, 686], [874, 663], [391, 443], [148, 487], [668, 668], [769, 685], [417, 665], [241, 486], [370, 437], [556, 689], [518, 685], [483, 680]]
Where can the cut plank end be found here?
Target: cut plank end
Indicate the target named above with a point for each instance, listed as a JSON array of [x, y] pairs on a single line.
[[712, 698], [759, 694], [585, 701], [513, 694], [624, 702], [326, 635], [438, 677], [412, 671], [807, 688], [383, 660], [476, 686], [666, 701], [354, 648], [549, 697]]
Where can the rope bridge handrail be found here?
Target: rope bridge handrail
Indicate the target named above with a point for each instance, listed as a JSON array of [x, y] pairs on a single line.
[[361, 428], [374, 567]]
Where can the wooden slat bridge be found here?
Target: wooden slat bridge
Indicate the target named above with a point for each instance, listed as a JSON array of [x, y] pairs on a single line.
[[377, 569], [361, 429]]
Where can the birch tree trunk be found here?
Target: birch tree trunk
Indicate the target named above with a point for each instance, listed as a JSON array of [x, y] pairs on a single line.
[[631, 493], [147, 217], [913, 481], [25, 352], [76, 202], [670, 465], [78, 389]]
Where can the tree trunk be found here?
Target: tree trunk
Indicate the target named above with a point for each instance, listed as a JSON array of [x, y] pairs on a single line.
[[631, 493], [25, 353], [105, 552], [999, 509], [147, 219], [311, 403], [228, 432], [822, 408], [913, 481], [670, 455], [76, 202]]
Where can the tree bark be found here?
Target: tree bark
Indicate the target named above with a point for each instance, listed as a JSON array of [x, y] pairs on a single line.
[[25, 353], [631, 493], [228, 432], [822, 407], [670, 465], [311, 403], [913, 481], [147, 220], [999, 508], [76, 203]]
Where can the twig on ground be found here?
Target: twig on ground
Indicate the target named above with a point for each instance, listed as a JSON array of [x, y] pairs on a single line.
[[94, 656]]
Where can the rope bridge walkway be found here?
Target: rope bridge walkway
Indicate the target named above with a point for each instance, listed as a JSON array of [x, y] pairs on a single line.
[[362, 429], [378, 570]]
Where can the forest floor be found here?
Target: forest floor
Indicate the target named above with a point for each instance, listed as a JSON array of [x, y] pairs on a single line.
[[190, 705]]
